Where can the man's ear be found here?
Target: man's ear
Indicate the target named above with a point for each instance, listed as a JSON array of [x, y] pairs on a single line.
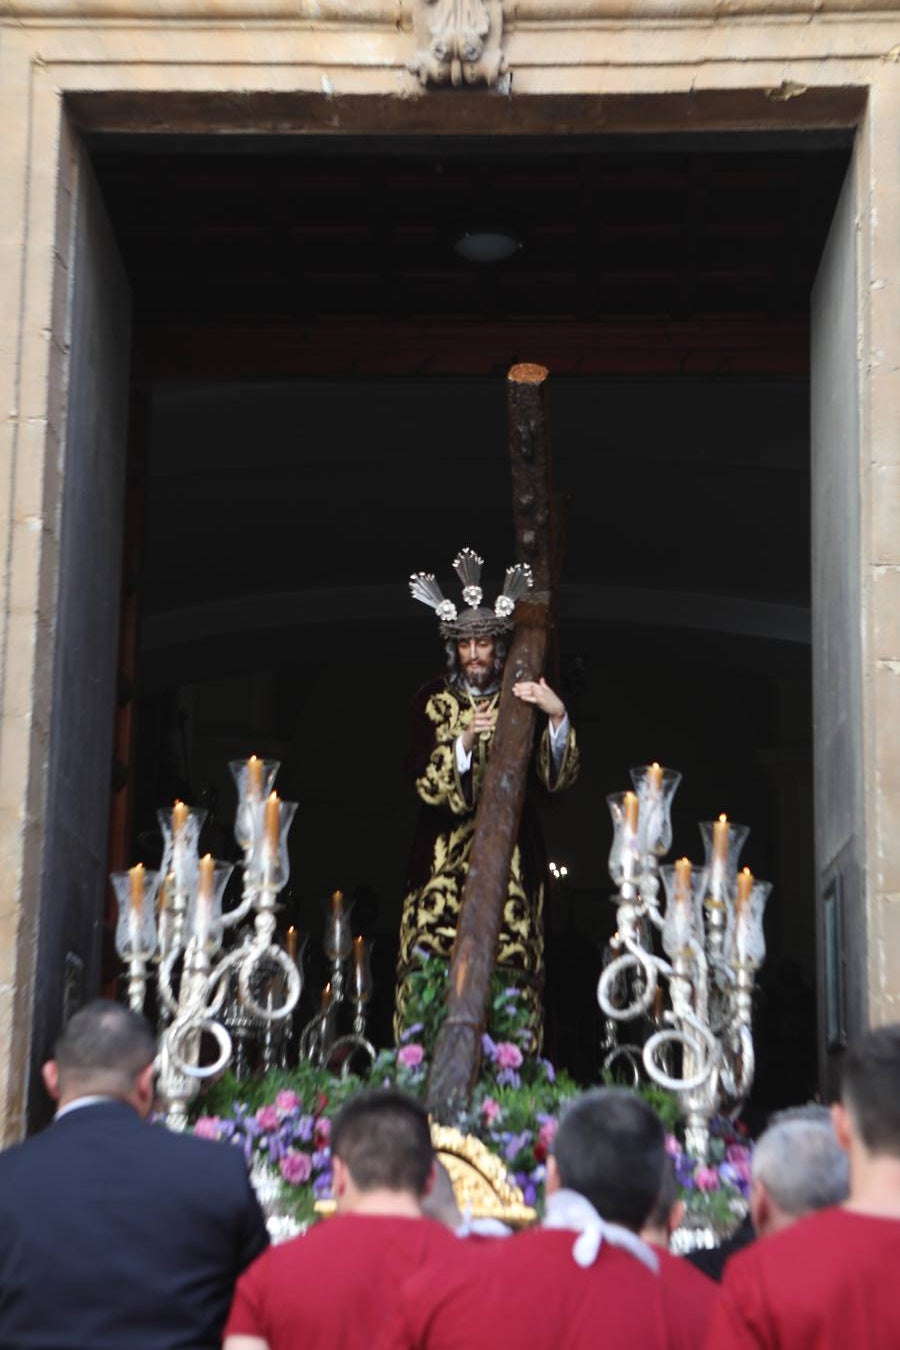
[[552, 1184], [339, 1177], [676, 1216], [50, 1075], [842, 1125], [760, 1207], [144, 1093]]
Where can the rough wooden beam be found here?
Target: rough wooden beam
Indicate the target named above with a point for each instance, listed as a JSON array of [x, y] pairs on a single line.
[[458, 1051]]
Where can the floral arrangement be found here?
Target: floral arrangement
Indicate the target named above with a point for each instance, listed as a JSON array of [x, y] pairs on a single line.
[[282, 1122]]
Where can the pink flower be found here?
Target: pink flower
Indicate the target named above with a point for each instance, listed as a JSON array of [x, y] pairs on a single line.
[[706, 1179], [296, 1168], [509, 1056], [410, 1056], [207, 1127], [490, 1110], [547, 1133], [287, 1100], [673, 1148], [737, 1153], [267, 1117], [323, 1131]]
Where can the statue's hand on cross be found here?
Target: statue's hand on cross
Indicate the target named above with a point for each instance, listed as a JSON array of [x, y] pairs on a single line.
[[542, 696]]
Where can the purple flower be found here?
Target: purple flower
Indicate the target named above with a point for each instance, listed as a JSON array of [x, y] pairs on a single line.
[[548, 1070], [707, 1179], [322, 1185], [267, 1118], [287, 1100], [488, 1047], [516, 1143], [296, 1168], [321, 1158], [508, 1078], [409, 1032], [304, 1129], [410, 1056], [208, 1127], [673, 1148], [509, 1056]]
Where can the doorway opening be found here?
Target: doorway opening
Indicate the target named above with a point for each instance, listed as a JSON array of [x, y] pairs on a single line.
[[319, 374]]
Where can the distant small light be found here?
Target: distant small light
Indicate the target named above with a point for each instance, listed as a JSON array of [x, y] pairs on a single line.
[[486, 246]]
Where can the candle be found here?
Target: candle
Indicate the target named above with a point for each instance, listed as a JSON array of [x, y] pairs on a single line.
[[179, 819], [630, 807], [326, 998], [136, 874], [207, 873], [337, 902], [720, 841], [655, 778], [273, 821], [744, 887], [254, 778], [683, 871], [291, 942]]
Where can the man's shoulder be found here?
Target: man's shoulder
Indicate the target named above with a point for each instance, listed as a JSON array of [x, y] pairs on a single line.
[[356, 1242]]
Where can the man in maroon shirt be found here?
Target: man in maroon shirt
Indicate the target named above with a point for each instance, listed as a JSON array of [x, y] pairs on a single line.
[[695, 1292], [332, 1288], [827, 1281], [584, 1280]]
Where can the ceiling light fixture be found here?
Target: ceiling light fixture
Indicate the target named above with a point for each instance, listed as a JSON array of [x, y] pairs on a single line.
[[486, 246]]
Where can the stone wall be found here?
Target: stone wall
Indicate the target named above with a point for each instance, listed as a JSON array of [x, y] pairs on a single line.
[[549, 66]]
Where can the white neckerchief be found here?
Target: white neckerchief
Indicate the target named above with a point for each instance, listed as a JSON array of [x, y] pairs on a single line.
[[569, 1209]]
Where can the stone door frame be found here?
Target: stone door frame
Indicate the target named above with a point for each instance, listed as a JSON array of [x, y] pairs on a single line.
[[71, 67]]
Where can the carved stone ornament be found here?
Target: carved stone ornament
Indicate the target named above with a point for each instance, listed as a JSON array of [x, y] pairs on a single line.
[[458, 42]]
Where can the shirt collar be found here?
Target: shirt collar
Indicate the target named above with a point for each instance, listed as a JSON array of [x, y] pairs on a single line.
[[92, 1099]]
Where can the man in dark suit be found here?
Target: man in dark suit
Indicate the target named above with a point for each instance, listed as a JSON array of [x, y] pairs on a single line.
[[116, 1234]]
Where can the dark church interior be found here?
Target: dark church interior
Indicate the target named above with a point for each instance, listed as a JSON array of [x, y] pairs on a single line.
[[318, 409]]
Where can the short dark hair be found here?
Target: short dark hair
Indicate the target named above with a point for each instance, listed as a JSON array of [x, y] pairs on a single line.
[[105, 1044], [870, 1089], [383, 1138], [610, 1147]]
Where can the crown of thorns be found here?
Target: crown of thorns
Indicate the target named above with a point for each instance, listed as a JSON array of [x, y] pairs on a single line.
[[476, 620]]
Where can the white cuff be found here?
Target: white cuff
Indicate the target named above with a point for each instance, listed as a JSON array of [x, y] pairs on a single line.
[[463, 757]]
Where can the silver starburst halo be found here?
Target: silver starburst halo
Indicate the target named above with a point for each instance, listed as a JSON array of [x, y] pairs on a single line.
[[476, 620]]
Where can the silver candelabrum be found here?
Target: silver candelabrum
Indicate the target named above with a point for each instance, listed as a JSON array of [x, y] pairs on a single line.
[[320, 1041], [711, 935], [174, 918]]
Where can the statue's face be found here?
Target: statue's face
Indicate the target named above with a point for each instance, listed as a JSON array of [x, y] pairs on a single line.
[[477, 660]]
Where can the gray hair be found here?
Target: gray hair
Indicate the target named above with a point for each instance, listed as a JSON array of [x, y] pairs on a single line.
[[800, 1163]]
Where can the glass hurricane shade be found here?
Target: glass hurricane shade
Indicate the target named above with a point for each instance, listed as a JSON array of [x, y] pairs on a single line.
[[625, 852], [337, 939], [181, 854], [655, 787], [683, 919], [723, 869], [136, 925], [267, 865], [361, 981], [204, 912], [244, 818], [748, 941]]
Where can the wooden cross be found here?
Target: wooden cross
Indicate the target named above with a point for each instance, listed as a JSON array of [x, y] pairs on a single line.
[[457, 1054]]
